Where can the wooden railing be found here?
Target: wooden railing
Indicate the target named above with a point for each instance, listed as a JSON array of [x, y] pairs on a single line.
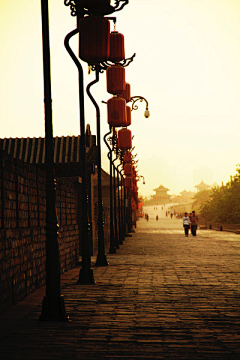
[[219, 226]]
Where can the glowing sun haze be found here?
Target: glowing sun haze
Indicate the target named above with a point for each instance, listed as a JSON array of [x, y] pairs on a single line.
[[186, 66]]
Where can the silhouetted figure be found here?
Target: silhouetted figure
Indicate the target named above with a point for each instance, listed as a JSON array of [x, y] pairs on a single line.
[[194, 221], [157, 217], [186, 223], [171, 215]]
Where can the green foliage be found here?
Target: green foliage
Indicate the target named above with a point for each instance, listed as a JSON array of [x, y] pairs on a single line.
[[223, 204], [200, 199]]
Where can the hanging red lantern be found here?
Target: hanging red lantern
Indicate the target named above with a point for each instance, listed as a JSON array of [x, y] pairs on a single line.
[[133, 204], [94, 39], [127, 157], [115, 79], [134, 181], [95, 4], [126, 94], [128, 182], [124, 139], [117, 50], [128, 169], [129, 116], [116, 111]]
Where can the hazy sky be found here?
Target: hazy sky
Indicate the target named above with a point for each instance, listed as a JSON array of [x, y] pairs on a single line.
[[186, 65]]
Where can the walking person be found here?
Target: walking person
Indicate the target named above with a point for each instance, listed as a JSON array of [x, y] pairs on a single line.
[[186, 223], [194, 221]]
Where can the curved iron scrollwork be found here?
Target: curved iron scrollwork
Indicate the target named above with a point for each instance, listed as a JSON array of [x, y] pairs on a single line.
[[117, 3], [75, 7], [134, 99], [104, 65]]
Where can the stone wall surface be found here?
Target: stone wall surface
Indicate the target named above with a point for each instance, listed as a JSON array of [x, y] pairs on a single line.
[[23, 235]]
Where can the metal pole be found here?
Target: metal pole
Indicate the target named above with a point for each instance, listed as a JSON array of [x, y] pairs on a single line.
[[86, 273], [122, 205], [101, 257], [112, 249], [115, 204], [53, 307], [119, 208]]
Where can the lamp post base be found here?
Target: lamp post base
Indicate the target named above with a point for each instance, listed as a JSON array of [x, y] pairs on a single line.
[[112, 250], [53, 309], [86, 277], [101, 260]]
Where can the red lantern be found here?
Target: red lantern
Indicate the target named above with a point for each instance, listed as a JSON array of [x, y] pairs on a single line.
[[128, 169], [95, 4], [116, 111], [124, 139], [126, 94], [128, 182], [127, 157], [129, 116], [133, 204], [117, 50], [94, 39], [135, 189], [116, 79]]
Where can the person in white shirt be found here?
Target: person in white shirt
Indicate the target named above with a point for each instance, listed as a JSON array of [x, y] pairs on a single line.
[[186, 223]]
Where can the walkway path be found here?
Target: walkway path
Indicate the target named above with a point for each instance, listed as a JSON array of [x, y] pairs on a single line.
[[163, 296]]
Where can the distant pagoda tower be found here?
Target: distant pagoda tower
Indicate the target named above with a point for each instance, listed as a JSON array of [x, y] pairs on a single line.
[[202, 186], [161, 196]]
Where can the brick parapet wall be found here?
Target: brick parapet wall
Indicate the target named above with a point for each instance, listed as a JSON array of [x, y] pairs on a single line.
[[22, 234]]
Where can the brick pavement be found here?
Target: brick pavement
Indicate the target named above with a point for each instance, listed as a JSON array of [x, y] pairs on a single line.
[[163, 296]]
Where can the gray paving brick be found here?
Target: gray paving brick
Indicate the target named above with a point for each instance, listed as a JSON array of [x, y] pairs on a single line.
[[163, 296]]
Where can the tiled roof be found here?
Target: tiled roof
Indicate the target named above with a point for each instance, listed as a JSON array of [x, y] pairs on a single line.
[[161, 188], [32, 150], [202, 185]]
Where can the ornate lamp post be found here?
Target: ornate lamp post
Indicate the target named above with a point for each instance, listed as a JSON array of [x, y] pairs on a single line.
[[112, 249], [98, 61], [101, 257], [86, 273], [120, 239], [53, 307], [79, 9]]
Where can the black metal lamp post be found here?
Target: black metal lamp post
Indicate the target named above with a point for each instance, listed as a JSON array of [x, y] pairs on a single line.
[[112, 249], [53, 307], [79, 10], [115, 203], [101, 257], [123, 227], [86, 273], [120, 240]]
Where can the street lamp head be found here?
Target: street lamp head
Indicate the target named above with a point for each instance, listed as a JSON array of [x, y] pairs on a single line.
[[146, 113]]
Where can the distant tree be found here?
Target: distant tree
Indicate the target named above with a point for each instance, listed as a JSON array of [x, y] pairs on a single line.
[[224, 202], [200, 198]]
